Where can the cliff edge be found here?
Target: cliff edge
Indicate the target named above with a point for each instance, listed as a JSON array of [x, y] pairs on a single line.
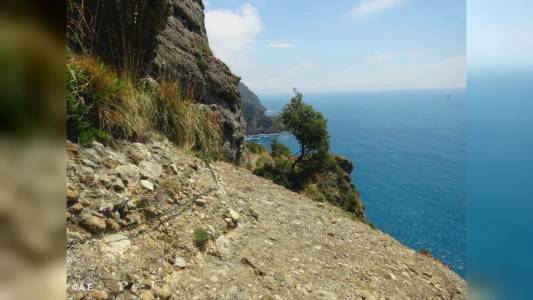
[[254, 113], [134, 212]]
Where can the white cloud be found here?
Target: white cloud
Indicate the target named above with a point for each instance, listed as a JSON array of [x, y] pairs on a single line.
[[281, 45], [372, 6], [381, 57], [230, 31]]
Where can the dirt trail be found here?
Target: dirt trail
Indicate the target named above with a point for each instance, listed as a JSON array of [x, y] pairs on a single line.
[[266, 242]]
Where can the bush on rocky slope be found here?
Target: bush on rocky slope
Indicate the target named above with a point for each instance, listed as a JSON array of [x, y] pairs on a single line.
[[327, 181]]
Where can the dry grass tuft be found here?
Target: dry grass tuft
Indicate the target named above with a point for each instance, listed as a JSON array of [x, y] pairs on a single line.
[[186, 123], [126, 111], [113, 99]]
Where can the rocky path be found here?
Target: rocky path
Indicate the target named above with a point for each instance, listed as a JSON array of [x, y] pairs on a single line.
[[132, 211]]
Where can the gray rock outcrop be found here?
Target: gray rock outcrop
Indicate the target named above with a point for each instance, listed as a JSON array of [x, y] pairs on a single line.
[[162, 40], [254, 113]]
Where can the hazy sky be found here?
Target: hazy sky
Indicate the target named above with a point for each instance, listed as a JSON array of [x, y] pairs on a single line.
[[500, 34], [275, 45]]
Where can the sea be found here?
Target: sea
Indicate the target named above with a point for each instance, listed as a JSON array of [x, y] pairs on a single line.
[[409, 152]]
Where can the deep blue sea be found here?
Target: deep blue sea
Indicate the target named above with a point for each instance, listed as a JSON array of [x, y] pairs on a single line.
[[409, 151], [500, 182]]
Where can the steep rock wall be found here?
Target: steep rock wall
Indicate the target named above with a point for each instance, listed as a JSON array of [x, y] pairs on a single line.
[[165, 40], [254, 113]]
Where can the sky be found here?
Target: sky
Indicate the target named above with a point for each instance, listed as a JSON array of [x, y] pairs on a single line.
[[341, 45], [500, 34]]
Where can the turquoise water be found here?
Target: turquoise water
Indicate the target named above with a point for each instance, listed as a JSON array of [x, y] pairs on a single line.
[[409, 152]]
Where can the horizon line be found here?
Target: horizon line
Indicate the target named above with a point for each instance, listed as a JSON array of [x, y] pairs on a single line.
[[458, 87]]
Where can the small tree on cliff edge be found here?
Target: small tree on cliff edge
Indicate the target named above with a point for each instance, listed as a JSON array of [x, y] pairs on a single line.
[[309, 127]]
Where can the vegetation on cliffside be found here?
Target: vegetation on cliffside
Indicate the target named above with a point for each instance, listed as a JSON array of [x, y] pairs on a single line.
[[314, 171], [102, 104], [152, 70]]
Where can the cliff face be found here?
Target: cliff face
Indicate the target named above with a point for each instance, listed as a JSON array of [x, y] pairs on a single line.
[[182, 51], [132, 211], [165, 40], [254, 113]]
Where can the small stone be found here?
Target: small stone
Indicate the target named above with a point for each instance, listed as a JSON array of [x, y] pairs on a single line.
[[71, 147], [72, 196], [133, 218], [147, 185], [325, 295], [234, 215], [112, 224], [128, 173], [139, 152], [98, 146], [115, 244], [150, 211], [89, 163], [98, 295], [150, 169], [200, 202], [131, 204], [105, 181], [86, 175], [174, 169], [180, 262], [93, 155], [92, 222], [117, 184], [211, 231], [149, 83], [146, 295], [254, 214], [163, 292], [113, 286], [108, 163], [77, 207]]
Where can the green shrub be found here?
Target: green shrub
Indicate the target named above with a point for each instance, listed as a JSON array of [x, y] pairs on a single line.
[[80, 128], [202, 65], [309, 127], [200, 238], [254, 148], [312, 191], [280, 172], [261, 162], [203, 47], [371, 225], [279, 150]]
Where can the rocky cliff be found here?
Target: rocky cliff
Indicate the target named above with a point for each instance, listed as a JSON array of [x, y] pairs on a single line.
[[254, 113], [132, 213], [165, 40]]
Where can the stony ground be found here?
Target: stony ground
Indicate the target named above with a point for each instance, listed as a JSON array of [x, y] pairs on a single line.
[[132, 210]]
